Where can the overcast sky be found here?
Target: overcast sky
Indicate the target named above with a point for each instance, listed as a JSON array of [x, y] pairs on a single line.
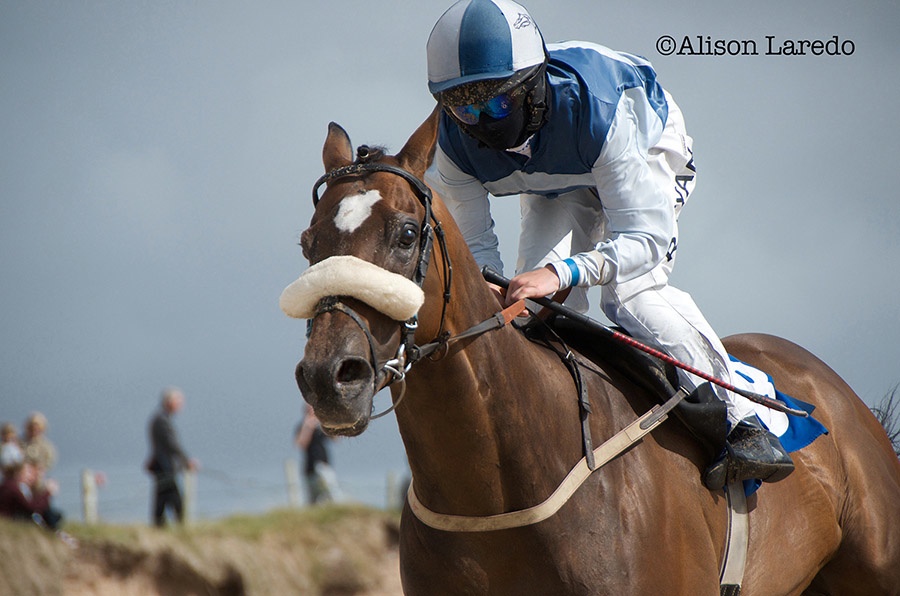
[[156, 160]]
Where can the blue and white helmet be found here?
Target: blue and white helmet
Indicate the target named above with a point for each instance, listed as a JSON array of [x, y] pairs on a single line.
[[477, 40]]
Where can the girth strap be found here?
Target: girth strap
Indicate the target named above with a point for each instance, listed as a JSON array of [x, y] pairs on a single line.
[[616, 445], [584, 408], [571, 362]]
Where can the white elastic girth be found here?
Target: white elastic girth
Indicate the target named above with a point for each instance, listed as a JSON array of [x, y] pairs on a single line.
[[389, 293], [611, 448]]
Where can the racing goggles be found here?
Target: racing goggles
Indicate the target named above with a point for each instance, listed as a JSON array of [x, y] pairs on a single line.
[[498, 107]]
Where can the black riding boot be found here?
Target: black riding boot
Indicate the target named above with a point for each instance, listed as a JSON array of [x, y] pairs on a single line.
[[751, 451]]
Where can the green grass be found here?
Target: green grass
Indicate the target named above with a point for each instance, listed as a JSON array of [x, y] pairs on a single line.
[[311, 550], [245, 526]]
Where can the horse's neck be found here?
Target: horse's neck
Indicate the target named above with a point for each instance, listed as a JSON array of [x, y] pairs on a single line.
[[470, 416]]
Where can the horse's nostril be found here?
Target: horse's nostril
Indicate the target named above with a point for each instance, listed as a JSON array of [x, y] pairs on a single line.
[[353, 370]]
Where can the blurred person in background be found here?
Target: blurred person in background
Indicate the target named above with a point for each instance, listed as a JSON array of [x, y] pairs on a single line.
[[321, 479], [167, 458], [10, 447], [22, 496], [39, 450]]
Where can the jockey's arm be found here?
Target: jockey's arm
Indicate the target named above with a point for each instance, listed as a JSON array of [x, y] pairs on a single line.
[[641, 219]]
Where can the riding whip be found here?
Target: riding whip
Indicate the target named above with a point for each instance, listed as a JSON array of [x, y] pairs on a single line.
[[495, 278]]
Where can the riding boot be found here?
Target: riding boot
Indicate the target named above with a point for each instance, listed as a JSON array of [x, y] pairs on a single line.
[[706, 417], [751, 452]]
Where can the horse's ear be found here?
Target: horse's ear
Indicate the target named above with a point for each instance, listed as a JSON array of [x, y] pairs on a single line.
[[418, 152], [338, 151]]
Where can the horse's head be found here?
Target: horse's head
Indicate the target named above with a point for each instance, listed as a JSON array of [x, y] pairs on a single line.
[[368, 245]]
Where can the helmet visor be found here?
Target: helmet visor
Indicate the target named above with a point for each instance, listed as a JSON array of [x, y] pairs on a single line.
[[497, 107], [495, 97]]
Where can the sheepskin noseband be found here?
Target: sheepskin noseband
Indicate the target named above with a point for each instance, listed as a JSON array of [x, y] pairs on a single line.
[[388, 293]]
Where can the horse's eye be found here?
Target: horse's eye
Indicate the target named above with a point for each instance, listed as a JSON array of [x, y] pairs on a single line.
[[408, 235]]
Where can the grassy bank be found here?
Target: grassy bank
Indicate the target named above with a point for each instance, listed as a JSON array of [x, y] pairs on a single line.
[[323, 550]]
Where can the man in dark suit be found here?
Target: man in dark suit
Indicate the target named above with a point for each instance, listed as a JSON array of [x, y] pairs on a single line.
[[167, 458]]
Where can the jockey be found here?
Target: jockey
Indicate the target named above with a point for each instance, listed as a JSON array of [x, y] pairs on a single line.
[[597, 151]]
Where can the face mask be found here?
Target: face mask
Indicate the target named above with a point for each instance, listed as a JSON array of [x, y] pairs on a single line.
[[505, 120]]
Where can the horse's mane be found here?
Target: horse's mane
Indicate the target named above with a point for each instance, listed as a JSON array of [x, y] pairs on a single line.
[[888, 414]]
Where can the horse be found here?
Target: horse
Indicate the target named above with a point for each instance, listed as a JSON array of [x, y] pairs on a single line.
[[490, 422]]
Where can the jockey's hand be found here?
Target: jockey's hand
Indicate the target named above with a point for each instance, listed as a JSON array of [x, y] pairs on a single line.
[[532, 284]]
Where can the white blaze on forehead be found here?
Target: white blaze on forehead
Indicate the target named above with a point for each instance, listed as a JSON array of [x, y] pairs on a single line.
[[354, 210]]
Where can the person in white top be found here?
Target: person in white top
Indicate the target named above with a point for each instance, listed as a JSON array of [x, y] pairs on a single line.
[[599, 155]]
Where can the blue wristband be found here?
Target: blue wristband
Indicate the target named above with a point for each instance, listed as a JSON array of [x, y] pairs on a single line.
[[573, 267]]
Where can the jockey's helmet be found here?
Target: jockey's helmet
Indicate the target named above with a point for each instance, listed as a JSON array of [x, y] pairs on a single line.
[[487, 65]]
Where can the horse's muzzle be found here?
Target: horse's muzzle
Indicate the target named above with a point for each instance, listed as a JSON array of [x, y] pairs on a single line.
[[340, 390]]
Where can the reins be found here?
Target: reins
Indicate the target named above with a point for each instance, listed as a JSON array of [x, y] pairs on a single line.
[[496, 321]]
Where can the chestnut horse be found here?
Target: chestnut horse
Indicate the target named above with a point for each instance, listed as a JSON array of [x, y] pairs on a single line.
[[491, 423]]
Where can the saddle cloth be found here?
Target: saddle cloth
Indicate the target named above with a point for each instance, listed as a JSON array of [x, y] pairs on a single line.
[[794, 432]]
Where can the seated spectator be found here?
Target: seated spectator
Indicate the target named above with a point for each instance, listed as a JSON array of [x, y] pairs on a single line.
[[10, 452], [10, 448], [22, 498]]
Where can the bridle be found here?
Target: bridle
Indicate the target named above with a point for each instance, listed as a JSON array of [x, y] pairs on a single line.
[[408, 353], [427, 233]]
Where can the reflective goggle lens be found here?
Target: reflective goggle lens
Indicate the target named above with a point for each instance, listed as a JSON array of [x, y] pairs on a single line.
[[498, 107]]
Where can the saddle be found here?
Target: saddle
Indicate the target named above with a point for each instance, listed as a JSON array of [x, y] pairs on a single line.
[[701, 412]]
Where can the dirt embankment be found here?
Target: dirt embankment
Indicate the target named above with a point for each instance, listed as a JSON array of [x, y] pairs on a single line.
[[328, 552]]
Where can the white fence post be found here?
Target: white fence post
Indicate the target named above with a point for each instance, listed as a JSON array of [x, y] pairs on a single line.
[[292, 477], [190, 495], [89, 496], [391, 496]]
